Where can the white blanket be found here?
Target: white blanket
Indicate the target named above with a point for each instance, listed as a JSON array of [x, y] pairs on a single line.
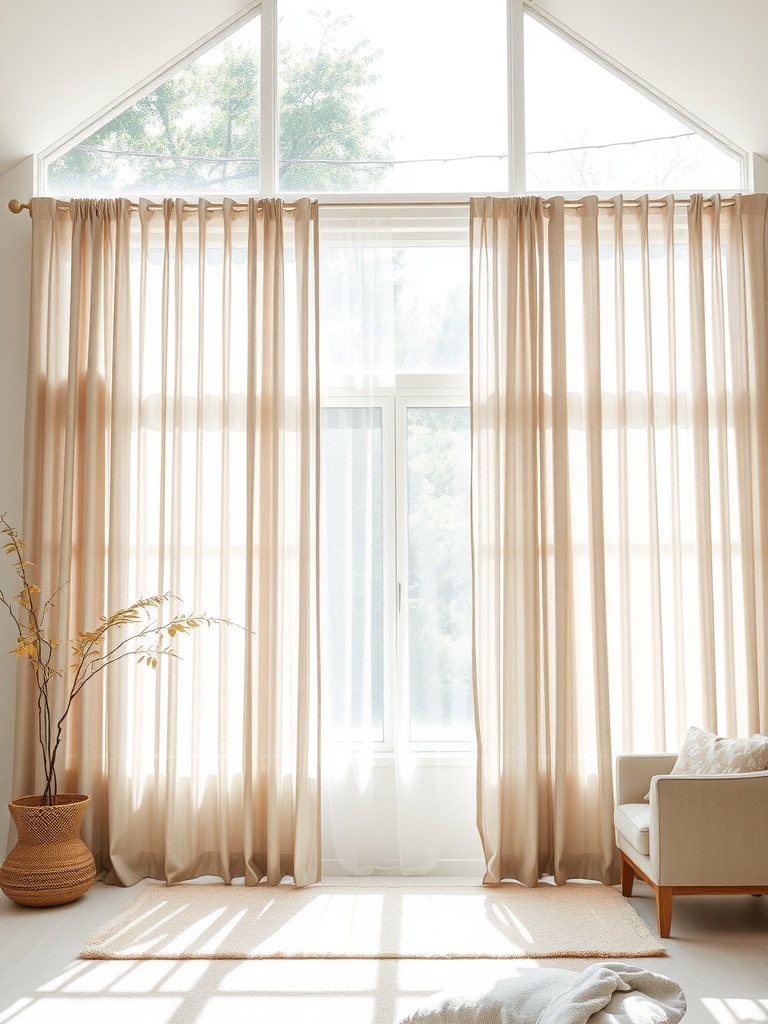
[[615, 993], [608, 993]]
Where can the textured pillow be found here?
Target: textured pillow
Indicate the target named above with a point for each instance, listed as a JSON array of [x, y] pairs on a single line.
[[703, 753], [706, 754]]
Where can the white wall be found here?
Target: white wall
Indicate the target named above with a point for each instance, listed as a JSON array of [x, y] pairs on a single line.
[[759, 173], [15, 237]]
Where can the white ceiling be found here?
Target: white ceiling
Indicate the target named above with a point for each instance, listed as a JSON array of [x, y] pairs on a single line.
[[61, 64]]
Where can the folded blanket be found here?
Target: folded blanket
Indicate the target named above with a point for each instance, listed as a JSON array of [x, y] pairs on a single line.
[[609, 993], [615, 993]]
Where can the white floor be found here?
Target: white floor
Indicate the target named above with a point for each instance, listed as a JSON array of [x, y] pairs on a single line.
[[718, 953]]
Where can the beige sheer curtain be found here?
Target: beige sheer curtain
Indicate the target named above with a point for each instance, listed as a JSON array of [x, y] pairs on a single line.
[[619, 400], [172, 445]]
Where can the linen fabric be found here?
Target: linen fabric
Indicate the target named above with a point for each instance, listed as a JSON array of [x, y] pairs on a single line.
[[609, 993], [619, 405], [171, 445], [703, 753]]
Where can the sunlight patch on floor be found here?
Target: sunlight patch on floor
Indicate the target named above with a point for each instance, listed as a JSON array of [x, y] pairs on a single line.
[[82, 1010], [211, 991], [737, 1011]]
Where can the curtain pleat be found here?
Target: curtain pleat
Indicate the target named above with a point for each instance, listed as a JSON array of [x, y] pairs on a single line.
[[618, 504], [172, 447]]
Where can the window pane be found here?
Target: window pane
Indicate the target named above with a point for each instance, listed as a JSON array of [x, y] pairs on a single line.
[[439, 588], [431, 310], [353, 572], [197, 133], [588, 129], [391, 301], [390, 98]]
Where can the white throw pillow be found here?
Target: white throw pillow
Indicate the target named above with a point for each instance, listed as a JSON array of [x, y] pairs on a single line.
[[703, 753], [706, 754]]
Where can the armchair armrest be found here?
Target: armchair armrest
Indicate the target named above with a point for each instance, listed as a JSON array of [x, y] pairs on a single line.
[[709, 830], [634, 773]]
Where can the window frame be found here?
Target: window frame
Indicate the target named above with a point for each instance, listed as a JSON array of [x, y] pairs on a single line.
[[423, 390], [268, 11]]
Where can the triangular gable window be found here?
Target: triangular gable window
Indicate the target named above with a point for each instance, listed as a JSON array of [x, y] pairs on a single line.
[[588, 129], [197, 133], [349, 119]]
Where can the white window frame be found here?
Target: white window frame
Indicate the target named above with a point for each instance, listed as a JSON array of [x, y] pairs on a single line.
[[268, 11], [420, 391], [407, 391]]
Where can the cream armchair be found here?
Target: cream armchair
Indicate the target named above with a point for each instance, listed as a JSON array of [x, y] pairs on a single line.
[[697, 833]]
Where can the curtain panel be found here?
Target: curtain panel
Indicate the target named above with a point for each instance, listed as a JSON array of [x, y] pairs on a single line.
[[172, 445], [619, 410]]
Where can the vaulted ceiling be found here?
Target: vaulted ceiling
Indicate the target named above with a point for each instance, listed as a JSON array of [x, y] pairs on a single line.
[[61, 64]]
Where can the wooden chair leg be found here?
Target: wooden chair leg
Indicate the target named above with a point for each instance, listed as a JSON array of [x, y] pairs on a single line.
[[664, 910], [627, 876]]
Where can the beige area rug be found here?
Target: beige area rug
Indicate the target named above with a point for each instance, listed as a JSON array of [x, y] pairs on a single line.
[[226, 922]]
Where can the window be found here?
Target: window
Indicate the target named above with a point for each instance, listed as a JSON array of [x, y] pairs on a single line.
[[587, 129], [438, 676], [363, 106], [395, 464], [368, 107], [196, 133]]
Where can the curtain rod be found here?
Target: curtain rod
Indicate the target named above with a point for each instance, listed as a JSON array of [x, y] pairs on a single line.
[[15, 206]]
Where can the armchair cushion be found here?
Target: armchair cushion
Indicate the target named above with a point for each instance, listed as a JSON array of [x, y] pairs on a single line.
[[633, 821], [703, 753]]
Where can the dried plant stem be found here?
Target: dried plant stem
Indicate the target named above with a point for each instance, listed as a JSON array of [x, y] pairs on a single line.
[[147, 641]]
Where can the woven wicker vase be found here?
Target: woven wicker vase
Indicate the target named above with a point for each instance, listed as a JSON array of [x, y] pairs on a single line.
[[50, 864]]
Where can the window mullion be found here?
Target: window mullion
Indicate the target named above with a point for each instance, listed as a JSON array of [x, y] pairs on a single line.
[[516, 80], [269, 97]]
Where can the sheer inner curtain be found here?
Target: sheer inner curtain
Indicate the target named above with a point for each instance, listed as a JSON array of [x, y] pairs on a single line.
[[395, 551], [619, 398], [172, 444]]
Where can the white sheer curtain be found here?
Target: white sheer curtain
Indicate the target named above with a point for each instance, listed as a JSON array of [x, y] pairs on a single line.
[[388, 808], [620, 533], [172, 444]]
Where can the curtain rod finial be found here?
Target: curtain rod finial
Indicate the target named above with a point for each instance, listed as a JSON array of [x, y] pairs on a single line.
[[16, 207]]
